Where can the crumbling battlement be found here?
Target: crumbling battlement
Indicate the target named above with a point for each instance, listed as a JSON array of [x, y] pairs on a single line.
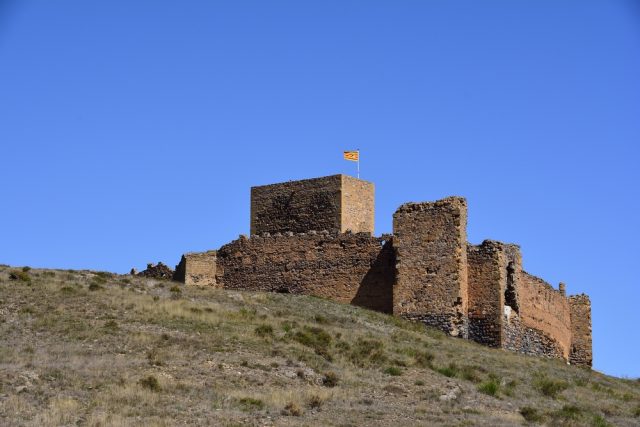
[[425, 271]]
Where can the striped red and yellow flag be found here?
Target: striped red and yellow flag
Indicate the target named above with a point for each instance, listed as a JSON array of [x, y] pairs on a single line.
[[353, 156]]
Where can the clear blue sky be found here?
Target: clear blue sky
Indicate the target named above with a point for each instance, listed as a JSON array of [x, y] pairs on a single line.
[[131, 131]]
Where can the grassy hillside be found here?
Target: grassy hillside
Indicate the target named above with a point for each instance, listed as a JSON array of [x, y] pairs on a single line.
[[87, 348]]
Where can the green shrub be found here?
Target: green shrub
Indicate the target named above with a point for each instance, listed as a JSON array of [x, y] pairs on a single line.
[[175, 289], [264, 331], [94, 286], [249, 403], [569, 412], [26, 269], [490, 387], [19, 275], [599, 421], [530, 414], [150, 382], [315, 338], [448, 371], [330, 379], [367, 352], [549, 387], [393, 371]]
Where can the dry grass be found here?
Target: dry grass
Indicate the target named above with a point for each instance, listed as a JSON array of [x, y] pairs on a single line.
[[99, 349]]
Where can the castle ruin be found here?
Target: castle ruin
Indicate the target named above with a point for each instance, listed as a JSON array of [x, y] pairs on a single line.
[[315, 237]]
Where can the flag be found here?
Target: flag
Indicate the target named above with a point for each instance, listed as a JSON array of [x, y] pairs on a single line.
[[353, 156]]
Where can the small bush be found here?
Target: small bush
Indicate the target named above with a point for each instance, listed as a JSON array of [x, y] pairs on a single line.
[[490, 387], [599, 421], [423, 359], [249, 403], [315, 401], [469, 373], [419, 382], [19, 275], [26, 269], [175, 289], [151, 383], [367, 352], [111, 324], [393, 371], [292, 409], [448, 371], [264, 331], [94, 286], [569, 412], [317, 339], [530, 414], [330, 379], [550, 388]]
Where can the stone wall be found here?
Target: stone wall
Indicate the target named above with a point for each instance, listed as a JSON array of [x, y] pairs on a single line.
[[545, 309], [431, 264], [197, 269], [348, 268], [523, 339], [487, 271], [357, 205], [334, 203], [581, 353]]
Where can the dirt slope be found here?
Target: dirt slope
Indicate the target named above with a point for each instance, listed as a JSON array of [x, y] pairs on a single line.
[[87, 348]]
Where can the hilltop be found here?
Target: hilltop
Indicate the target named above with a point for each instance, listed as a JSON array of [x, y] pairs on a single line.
[[100, 349]]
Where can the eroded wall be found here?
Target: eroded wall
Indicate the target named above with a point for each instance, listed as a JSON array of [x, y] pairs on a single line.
[[487, 269], [348, 268], [545, 309], [197, 268], [581, 353], [431, 263]]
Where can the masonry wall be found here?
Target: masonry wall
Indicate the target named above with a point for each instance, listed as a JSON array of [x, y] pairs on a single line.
[[545, 309], [357, 205], [297, 206], [197, 269], [431, 264], [487, 269], [581, 353], [348, 268]]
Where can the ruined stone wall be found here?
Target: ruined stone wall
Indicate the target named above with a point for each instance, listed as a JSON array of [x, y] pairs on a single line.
[[357, 205], [348, 268], [297, 206], [521, 338], [487, 269], [581, 353], [197, 269], [545, 309], [431, 264]]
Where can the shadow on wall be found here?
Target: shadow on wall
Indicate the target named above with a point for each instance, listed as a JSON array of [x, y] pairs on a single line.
[[376, 288]]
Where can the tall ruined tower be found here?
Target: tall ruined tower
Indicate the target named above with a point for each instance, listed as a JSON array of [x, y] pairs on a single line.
[[336, 203], [430, 240]]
